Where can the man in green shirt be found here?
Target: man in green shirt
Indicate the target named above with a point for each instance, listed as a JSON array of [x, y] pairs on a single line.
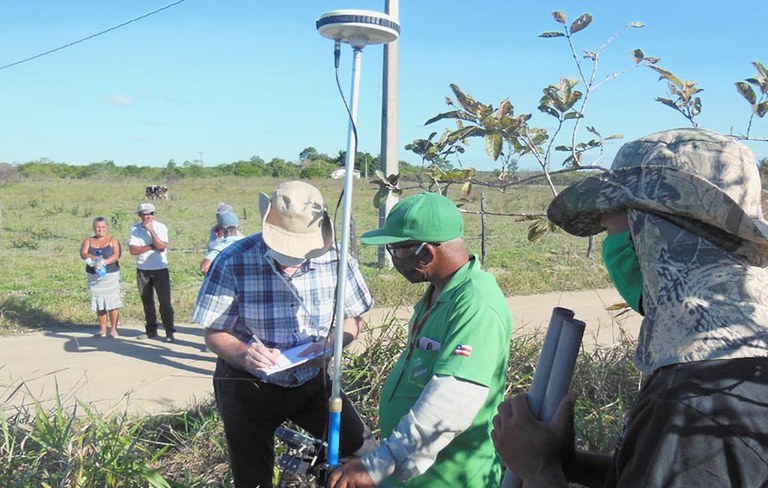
[[438, 401]]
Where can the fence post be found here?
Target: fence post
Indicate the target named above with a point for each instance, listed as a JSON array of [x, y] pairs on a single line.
[[483, 230]]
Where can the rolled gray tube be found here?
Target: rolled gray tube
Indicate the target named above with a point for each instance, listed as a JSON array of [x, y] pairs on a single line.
[[562, 368], [541, 375], [546, 359]]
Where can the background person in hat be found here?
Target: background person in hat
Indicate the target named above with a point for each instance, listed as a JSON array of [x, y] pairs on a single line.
[[437, 402], [687, 246], [148, 241], [268, 292], [229, 225], [216, 234]]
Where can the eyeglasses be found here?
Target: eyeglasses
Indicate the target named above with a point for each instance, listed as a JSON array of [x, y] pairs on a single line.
[[147, 213], [402, 252]]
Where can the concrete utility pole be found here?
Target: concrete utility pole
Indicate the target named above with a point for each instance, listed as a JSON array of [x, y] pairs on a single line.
[[201, 158], [390, 161]]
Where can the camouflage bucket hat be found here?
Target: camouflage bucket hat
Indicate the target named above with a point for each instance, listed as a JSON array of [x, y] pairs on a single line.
[[701, 180]]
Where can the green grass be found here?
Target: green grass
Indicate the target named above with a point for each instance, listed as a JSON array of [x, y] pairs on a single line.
[[44, 223]]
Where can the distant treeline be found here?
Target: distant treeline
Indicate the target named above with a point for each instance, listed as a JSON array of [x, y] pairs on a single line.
[[313, 166], [255, 167]]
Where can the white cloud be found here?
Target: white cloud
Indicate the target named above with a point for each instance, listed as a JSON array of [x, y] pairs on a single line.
[[120, 101]]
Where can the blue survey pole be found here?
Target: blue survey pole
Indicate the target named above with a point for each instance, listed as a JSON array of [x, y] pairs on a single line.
[[334, 402]]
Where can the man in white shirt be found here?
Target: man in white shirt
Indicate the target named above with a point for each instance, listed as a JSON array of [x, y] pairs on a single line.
[[148, 241]]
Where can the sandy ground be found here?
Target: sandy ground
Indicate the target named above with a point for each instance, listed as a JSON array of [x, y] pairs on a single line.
[[152, 376]]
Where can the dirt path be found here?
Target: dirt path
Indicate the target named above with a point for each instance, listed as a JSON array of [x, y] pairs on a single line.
[[152, 376]]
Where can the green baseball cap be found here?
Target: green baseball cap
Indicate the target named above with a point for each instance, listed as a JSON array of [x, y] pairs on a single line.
[[427, 217]]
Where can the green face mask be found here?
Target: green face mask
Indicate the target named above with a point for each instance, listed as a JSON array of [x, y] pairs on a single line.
[[623, 267]]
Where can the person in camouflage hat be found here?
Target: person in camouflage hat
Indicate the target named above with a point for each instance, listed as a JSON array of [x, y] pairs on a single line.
[[687, 247]]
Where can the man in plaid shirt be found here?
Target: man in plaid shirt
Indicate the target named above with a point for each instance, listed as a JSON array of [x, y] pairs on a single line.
[[266, 293]]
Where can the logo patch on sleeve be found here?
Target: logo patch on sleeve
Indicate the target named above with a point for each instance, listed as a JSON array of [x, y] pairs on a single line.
[[463, 350]]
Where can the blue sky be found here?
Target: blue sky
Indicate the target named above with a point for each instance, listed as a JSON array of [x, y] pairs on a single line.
[[233, 79]]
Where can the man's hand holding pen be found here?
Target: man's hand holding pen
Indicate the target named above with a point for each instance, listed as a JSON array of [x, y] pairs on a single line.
[[259, 357]]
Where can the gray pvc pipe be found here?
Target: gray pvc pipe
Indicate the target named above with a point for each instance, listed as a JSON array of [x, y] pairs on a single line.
[[562, 368], [546, 359], [553, 373]]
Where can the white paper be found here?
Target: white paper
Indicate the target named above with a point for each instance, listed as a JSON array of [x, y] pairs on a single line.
[[290, 358]]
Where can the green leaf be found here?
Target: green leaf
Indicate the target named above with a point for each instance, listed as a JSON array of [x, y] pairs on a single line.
[[562, 148], [155, 479], [746, 91], [581, 23], [453, 114], [551, 34], [393, 179], [760, 68], [762, 109], [668, 103], [380, 175], [572, 115], [559, 17], [380, 197], [537, 230], [667, 75], [466, 189], [540, 137], [614, 136], [493, 145], [467, 102], [638, 55], [505, 109], [549, 110], [462, 134]]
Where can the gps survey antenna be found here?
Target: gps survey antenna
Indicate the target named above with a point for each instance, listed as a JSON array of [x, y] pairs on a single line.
[[358, 28]]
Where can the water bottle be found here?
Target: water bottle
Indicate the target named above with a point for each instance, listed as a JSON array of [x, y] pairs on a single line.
[[101, 269]]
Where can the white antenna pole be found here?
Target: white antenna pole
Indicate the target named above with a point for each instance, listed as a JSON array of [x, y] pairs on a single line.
[[349, 167], [357, 28]]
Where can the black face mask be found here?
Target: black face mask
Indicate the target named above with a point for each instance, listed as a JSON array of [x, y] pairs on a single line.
[[413, 267]]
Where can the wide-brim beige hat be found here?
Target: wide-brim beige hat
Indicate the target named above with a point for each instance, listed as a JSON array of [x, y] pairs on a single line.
[[703, 181], [295, 221]]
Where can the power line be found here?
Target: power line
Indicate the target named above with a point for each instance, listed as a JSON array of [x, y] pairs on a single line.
[[93, 35]]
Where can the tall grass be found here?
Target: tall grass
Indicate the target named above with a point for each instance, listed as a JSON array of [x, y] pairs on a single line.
[[82, 447], [60, 448]]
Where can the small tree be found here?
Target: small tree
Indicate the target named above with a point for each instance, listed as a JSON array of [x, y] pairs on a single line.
[[508, 136]]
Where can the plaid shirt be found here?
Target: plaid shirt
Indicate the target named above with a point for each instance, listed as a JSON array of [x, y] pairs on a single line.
[[248, 295]]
